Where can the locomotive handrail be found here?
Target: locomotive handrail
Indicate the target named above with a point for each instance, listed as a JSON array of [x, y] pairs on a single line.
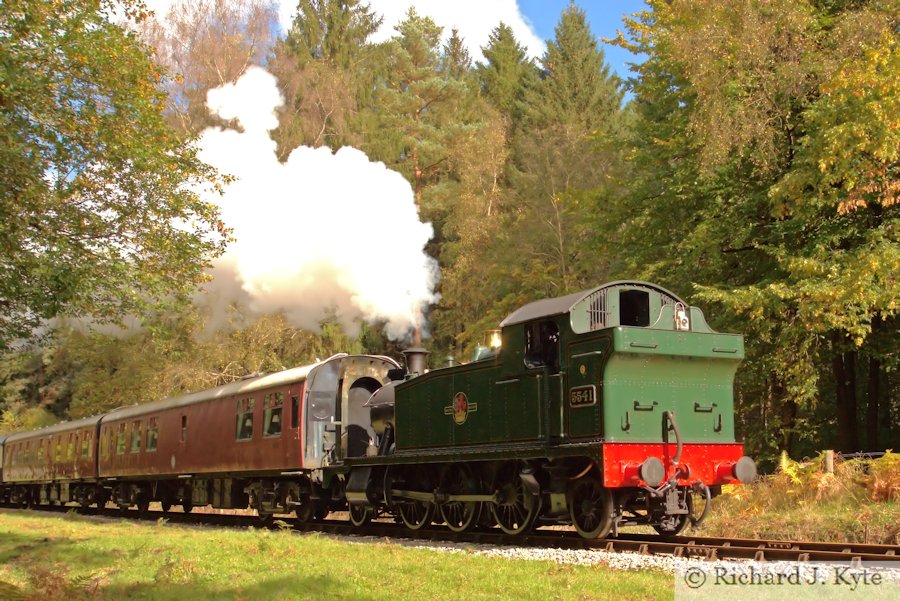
[[669, 416]]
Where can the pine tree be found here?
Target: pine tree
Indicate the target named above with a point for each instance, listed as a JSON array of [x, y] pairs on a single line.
[[507, 71], [566, 155], [332, 30], [459, 63]]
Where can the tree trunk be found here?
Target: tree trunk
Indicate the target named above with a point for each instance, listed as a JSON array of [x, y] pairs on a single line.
[[788, 409], [873, 398], [844, 368]]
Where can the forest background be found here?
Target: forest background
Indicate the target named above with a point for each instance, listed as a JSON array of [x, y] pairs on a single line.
[[753, 170]]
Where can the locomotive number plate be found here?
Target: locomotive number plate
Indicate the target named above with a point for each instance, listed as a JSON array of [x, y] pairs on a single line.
[[582, 396]]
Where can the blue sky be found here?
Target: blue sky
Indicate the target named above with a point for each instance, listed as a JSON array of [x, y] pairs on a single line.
[[604, 16]]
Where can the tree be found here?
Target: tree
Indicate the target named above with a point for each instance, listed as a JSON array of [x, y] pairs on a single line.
[[206, 44], [326, 70], [762, 179], [565, 150], [507, 72], [97, 192]]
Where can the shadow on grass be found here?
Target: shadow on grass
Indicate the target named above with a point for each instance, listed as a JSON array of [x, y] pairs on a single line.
[[278, 587]]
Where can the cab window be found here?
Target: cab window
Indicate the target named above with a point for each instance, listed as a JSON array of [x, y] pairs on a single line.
[[542, 345]]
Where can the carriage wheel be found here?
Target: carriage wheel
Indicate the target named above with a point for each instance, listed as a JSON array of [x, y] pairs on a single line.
[[143, 505], [321, 509], [590, 507], [460, 515], [166, 505], [360, 515], [187, 507], [516, 508], [304, 506]]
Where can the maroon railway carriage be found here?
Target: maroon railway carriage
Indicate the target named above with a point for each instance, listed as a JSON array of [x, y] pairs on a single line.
[[259, 442], [54, 464]]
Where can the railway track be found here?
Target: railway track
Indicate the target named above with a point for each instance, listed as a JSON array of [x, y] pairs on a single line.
[[699, 547]]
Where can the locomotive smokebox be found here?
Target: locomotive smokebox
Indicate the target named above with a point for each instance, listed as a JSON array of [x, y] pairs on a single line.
[[415, 360]]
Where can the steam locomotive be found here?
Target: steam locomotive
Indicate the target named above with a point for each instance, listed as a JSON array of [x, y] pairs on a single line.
[[602, 409]]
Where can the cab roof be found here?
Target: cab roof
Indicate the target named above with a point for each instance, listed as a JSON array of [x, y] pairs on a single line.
[[550, 307]]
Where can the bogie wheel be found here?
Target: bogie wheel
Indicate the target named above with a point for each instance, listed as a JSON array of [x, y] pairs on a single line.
[[165, 506], [516, 507], [672, 526], [143, 505], [460, 515], [590, 507], [304, 506], [321, 509], [360, 515], [187, 507]]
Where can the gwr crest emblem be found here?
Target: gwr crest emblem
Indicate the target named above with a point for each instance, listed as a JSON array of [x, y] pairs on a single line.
[[460, 408]]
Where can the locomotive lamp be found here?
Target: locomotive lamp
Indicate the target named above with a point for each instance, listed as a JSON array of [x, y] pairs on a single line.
[[492, 338]]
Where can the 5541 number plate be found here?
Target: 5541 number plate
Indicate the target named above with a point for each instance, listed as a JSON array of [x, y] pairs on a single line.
[[582, 396]]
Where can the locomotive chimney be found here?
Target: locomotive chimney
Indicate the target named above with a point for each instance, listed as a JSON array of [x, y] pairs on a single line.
[[415, 360]]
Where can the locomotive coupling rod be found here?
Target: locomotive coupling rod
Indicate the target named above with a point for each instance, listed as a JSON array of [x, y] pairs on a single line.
[[415, 495]]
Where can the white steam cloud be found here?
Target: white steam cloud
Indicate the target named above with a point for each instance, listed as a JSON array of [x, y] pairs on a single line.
[[321, 232]]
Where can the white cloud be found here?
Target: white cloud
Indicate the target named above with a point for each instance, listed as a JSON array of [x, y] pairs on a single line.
[[473, 18]]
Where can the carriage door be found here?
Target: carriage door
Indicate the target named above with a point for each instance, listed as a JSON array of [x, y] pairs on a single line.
[[582, 402]]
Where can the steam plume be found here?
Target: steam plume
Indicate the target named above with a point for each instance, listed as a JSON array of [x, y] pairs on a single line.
[[321, 232]]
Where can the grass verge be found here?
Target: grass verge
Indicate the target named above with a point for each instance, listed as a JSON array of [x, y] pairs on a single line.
[[73, 557], [859, 502]]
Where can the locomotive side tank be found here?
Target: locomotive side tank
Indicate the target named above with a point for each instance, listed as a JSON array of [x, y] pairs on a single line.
[[605, 408]]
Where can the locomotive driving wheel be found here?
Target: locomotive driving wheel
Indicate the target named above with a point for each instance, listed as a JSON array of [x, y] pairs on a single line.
[[416, 514], [516, 507], [460, 515], [590, 507]]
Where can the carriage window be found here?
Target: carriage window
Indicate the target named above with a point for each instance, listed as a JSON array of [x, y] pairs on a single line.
[[136, 436], [244, 419], [273, 404], [104, 443], [57, 457], [84, 444], [295, 411], [183, 428], [120, 440], [152, 434], [634, 308], [542, 345], [70, 448]]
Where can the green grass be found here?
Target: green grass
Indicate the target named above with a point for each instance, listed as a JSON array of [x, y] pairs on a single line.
[[71, 557]]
